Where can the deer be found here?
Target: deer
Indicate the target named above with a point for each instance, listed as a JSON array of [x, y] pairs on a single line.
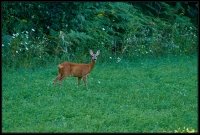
[[78, 70]]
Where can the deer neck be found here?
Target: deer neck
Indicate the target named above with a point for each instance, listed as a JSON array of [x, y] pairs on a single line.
[[92, 64]]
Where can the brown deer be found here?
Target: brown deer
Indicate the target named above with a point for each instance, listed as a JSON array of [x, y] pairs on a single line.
[[76, 70]]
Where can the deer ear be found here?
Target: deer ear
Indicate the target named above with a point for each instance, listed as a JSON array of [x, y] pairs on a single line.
[[98, 52], [91, 52]]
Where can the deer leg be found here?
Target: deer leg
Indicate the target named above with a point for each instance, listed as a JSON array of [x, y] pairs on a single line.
[[85, 80], [79, 79], [60, 78], [57, 78]]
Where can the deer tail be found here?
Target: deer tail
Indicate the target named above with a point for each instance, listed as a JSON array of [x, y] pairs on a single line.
[[60, 68]]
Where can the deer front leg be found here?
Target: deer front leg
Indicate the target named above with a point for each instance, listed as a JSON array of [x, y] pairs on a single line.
[[85, 80], [79, 79]]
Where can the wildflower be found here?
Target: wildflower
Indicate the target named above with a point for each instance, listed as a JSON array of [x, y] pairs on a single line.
[[99, 82], [26, 32], [47, 27], [110, 57], [26, 48], [103, 28], [14, 35], [16, 51], [32, 29], [2, 44], [118, 60]]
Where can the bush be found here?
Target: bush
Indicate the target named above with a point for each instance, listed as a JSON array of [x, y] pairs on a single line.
[[119, 29]]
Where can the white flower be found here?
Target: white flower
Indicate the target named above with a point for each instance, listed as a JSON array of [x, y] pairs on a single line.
[[103, 28], [16, 51], [14, 35], [99, 82], [110, 57], [118, 60], [32, 29], [2, 44], [47, 27], [25, 43], [26, 48], [26, 32]]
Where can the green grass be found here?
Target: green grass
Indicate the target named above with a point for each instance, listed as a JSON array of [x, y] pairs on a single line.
[[147, 95]]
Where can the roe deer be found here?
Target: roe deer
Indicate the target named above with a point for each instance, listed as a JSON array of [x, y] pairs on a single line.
[[76, 70]]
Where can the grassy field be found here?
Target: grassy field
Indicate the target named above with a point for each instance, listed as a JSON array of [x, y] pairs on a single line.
[[147, 95]]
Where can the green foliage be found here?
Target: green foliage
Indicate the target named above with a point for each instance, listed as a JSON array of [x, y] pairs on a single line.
[[21, 50], [147, 95], [119, 29]]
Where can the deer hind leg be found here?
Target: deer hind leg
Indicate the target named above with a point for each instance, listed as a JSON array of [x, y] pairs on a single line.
[[54, 82], [61, 74], [59, 77]]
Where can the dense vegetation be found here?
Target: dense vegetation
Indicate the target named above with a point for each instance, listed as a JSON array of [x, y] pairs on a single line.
[[35, 32]]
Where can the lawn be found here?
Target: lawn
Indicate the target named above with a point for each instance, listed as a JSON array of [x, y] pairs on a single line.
[[146, 95]]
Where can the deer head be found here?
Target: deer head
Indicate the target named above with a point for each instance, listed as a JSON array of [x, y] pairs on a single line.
[[94, 56]]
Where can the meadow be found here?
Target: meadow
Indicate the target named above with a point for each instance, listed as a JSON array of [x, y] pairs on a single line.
[[143, 95]]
